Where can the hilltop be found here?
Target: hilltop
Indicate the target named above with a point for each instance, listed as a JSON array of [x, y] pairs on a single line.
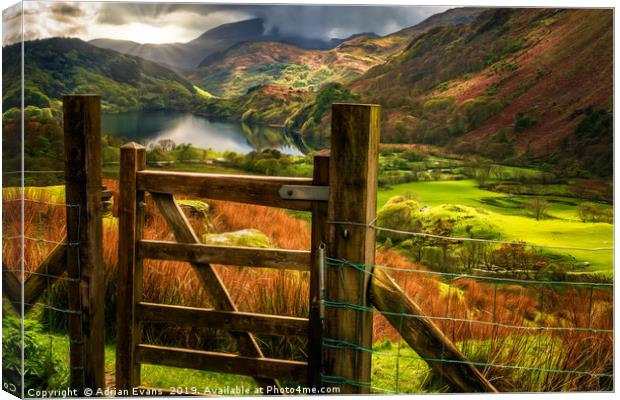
[[58, 66]]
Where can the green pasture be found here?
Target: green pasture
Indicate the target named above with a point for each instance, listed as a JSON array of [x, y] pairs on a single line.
[[561, 227]]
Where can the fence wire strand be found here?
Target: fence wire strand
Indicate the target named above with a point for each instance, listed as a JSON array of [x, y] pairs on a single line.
[[372, 225], [546, 367], [51, 279]]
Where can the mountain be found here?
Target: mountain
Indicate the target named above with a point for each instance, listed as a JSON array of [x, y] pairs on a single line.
[[188, 55], [234, 71], [514, 84], [293, 78], [58, 66]]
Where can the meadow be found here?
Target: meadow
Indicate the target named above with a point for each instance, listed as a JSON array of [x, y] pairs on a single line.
[[562, 226], [496, 324]]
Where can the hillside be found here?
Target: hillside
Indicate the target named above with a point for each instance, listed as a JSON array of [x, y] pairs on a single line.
[[282, 84], [232, 72], [56, 66], [514, 84]]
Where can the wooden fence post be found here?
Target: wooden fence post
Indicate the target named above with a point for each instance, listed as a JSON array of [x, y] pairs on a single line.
[[129, 284], [351, 207], [319, 236], [82, 135]]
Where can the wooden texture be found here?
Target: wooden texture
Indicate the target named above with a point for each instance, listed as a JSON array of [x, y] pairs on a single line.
[[35, 285], [425, 337], [319, 236], [265, 368], [234, 321], [209, 278], [54, 266], [227, 255], [260, 190], [12, 288], [82, 137], [353, 198], [131, 222]]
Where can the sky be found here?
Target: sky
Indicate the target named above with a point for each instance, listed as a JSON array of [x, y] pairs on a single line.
[[177, 22]]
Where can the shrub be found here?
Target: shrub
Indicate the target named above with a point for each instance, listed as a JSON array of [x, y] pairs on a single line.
[[595, 123], [478, 110], [42, 370], [590, 212], [538, 207], [524, 122], [398, 213]]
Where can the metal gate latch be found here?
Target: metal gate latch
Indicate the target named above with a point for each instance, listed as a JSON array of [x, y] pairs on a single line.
[[302, 192]]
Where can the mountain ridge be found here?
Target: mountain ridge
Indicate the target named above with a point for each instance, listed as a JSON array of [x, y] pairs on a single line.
[[188, 55]]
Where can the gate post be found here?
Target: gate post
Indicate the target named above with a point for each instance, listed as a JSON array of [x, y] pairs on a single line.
[[82, 136], [129, 284], [319, 236], [351, 208]]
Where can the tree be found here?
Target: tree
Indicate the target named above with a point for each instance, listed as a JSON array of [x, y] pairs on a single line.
[[538, 206], [167, 144], [482, 173]]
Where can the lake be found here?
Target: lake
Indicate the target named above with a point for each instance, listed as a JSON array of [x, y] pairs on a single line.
[[150, 126]]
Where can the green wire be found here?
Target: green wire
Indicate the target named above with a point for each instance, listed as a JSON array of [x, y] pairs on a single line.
[[341, 344]]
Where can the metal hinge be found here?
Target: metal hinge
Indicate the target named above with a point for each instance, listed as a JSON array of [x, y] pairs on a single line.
[[301, 192]]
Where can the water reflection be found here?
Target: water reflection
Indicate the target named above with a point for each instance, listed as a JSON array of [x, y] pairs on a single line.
[[152, 126]]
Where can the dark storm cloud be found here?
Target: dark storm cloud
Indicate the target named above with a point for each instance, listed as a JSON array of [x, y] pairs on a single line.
[[317, 21], [66, 12], [72, 10]]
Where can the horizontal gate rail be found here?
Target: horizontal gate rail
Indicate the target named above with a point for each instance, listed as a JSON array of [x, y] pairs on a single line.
[[227, 255], [260, 367], [258, 190], [234, 321]]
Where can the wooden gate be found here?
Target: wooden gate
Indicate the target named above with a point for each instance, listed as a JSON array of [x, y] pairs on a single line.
[[352, 174]]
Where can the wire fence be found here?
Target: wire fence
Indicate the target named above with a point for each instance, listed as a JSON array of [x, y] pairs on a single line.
[[524, 335], [49, 313]]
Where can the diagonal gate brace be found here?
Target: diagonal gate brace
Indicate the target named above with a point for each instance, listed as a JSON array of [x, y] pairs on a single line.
[[209, 278]]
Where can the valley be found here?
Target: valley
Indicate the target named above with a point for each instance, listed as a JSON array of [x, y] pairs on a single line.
[[495, 206]]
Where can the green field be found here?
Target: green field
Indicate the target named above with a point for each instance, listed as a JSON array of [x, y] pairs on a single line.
[[561, 227]]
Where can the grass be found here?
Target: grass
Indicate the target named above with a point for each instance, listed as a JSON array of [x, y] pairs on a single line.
[[561, 228], [203, 93], [182, 379], [286, 293]]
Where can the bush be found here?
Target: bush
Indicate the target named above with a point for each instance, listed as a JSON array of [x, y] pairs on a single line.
[[42, 370], [399, 213], [524, 122], [591, 212], [538, 207], [478, 110]]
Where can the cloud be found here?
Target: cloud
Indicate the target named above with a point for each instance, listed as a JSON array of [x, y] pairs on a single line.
[[44, 19], [314, 21], [66, 13], [184, 22], [12, 24]]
